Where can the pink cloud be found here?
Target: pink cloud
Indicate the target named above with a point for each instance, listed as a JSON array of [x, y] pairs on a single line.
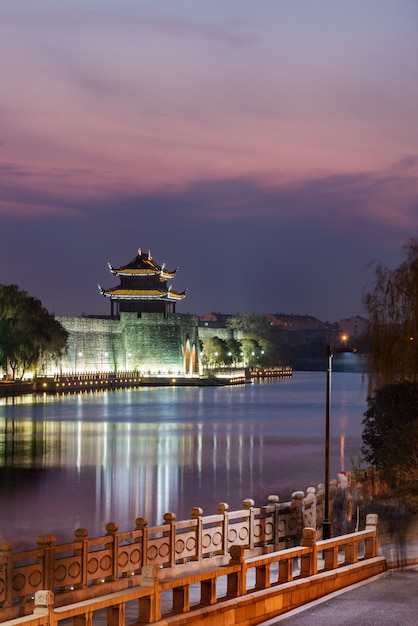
[[103, 103]]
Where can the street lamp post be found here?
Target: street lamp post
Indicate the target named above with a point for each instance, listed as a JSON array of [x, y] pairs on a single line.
[[326, 524]]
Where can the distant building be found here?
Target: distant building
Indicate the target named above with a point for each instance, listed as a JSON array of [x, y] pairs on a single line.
[[215, 324], [295, 322], [354, 327], [297, 330]]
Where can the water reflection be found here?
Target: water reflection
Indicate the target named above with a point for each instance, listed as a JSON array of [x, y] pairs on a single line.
[[81, 461]]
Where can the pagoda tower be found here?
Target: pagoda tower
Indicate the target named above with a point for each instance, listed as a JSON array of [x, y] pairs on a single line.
[[143, 287]]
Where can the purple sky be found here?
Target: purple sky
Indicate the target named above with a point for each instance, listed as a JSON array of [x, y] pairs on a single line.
[[269, 149]]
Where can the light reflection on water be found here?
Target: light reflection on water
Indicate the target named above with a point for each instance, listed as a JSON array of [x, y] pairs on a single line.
[[84, 460]]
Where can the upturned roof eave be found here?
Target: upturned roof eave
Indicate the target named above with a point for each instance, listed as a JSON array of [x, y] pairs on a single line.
[[118, 294]]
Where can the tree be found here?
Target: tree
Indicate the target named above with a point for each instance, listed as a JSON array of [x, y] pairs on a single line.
[[28, 333], [233, 350], [390, 436], [271, 352], [258, 337], [392, 306], [214, 351], [251, 326], [251, 351]]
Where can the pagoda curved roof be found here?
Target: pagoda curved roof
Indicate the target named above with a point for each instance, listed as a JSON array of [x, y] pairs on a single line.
[[142, 265], [117, 293]]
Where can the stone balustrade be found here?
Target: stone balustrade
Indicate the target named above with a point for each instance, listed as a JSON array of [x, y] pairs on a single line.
[[87, 567], [246, 588]]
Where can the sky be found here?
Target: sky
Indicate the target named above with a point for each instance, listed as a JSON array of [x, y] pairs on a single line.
[[268, 149]]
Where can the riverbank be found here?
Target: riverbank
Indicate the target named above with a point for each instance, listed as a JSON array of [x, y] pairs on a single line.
[[8, 389], [126, 380]]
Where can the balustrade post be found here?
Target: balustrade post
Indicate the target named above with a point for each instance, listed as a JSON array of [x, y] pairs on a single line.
[[248, 504], [371, 544], [309, 562], [222, 509], [236, 581], [112, 531], [196, 514], [170, 518], [141, 524], [310, 500], [47, 544], [44, 602], [6, 573], [149, 609], [272, 502], [81, 537], [296, 517]]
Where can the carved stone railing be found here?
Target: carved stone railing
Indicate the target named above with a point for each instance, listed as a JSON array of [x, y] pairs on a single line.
[[245, 588], [87, 567]]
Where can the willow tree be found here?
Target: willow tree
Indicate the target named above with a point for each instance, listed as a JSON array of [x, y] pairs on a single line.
[[392, 308], [390, 438]]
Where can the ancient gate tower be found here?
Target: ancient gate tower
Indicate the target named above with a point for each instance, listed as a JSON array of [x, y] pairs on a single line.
[[144, 333], [143, 287]]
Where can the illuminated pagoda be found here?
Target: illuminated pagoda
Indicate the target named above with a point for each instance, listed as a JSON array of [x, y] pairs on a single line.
[[143, 287]]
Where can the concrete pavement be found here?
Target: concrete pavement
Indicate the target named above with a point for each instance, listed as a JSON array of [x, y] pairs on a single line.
[[390, 599]]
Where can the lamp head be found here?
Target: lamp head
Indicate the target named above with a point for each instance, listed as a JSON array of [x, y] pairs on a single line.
[[331, 351]]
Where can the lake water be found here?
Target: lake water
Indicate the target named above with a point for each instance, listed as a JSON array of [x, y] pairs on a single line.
[[80, 461]]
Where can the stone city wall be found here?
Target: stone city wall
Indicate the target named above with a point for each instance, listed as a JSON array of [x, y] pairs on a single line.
[[149, 343]]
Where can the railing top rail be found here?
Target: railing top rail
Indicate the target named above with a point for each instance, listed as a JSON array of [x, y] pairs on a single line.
[[279, 555], [106, 600], [186, 524], [212, 519], [240, 512], [27, 555], [344, 539]]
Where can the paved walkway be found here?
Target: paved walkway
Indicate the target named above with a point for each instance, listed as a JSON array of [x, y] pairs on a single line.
[[387, 600], [390, 599]]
